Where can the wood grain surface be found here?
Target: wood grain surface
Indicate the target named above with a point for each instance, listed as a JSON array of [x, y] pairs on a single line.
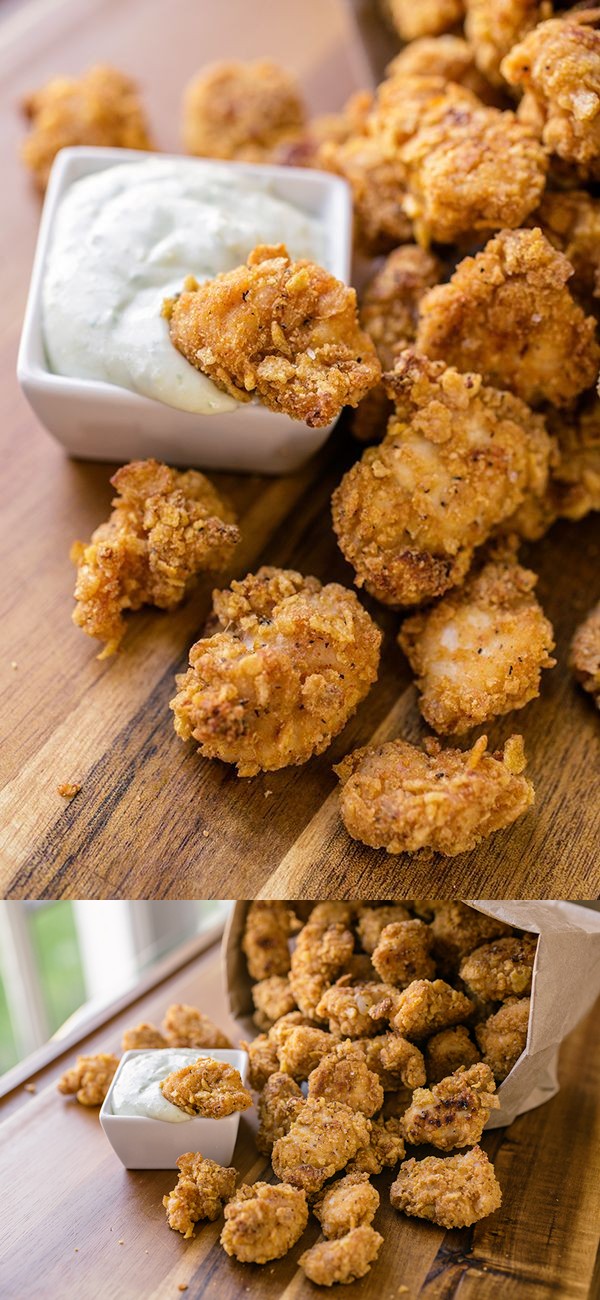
[[75, 1223], [152, 819]]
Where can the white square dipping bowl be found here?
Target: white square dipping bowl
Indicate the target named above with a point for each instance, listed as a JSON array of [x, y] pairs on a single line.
[[144, 1143], [100, 421]]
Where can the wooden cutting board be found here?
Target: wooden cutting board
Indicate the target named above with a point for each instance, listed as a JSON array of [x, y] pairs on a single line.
[[152, 819], [75, 1223]]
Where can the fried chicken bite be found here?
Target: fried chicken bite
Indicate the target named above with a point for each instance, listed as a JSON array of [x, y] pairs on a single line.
[[377, 178], [449, 57], [324, 1137], [454, 1112], [143, 1036], [508, 314], [447, 1051], [480, 652], [320, 954], [503, 1036], [427, 1006], [348, 1203], [452, 1191], [343, 1075], [208, 1088], [400, 798], [501, 969], [102, 107], [90, 1078], [331, 912], [558, 67], [288, 668], [202, 1188], [457, 929], [584, 658], [427, 18], [372, 920], [342, 1260], [457, 459], [243, 111], [279, 1104], [301, 1049], [570, 220], [263, 1222], [390, 300], [263, 1060], [384, 1149], [398, 1063], [303, 149], [348, 1007], [492, 27], [403, 953], [186, 1026], [268, 928], [272, 999], [166, 527], [285, 331]]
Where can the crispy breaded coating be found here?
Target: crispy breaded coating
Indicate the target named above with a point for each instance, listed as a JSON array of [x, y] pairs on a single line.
[[403, 953], [288, 668], [449, 57], [427, 18], [453, 165], [272, 999], [268, 928], [558, 67], [503, 1036], [454, 1112], [279, 1104], [90, 1078], [263, 1222], [360, 968], [457, 930], [377, 178], [321, 952], [501, 969], [452, 1191], [331, 912], [372, 920], [390, 300], [401, 799], [301, 1049], [347, 1007], [570, 220], [447, 1051], [304, 147], [385, 1148], [186, 1026], [263, 1060], [285, 331], [427, 1006], [480, 652], [584, 658], [101, 107], [343, 1075], [398, 1063], [283, 1027], [574, 484], [342, 1260], [243, 111], [348, 1203], [202, 1188], [324, 1137], [166, 527], [492, 27], [457, 459], [143, 1036], [508, 314], [208, 1088]]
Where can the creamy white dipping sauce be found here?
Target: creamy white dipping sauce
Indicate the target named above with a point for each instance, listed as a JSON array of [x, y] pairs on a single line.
[[137, 1091], [124, 239]]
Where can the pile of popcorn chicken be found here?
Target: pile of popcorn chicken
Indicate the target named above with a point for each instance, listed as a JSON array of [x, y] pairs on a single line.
[[382, 1027]]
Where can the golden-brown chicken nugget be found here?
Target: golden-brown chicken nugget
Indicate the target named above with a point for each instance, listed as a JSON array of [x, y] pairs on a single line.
[[348, 1203], [454, 1112], [501, 969], [343, 1075], [272, 999], [202, 1188], [452, 1191], [208, 1088], [324, 1137], [492, 27], [427, 18], [384, 1149], [186, 1026], [342, 1260], [584, 658], [265, 942], [90, 1078], [447, 1051], [263, 1222], [403, 953], [279, 1104], [143, 1036], [503, 1036], [427, 1006], [244, 111]]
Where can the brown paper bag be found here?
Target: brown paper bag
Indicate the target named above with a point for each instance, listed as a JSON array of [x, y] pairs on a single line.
[[566, 983]]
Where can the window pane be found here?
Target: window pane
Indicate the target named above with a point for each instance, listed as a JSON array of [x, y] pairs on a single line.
[[55, 944]]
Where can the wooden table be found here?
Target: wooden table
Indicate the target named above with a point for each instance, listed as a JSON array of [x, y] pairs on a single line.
[[75, 1223], [152, 819]]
